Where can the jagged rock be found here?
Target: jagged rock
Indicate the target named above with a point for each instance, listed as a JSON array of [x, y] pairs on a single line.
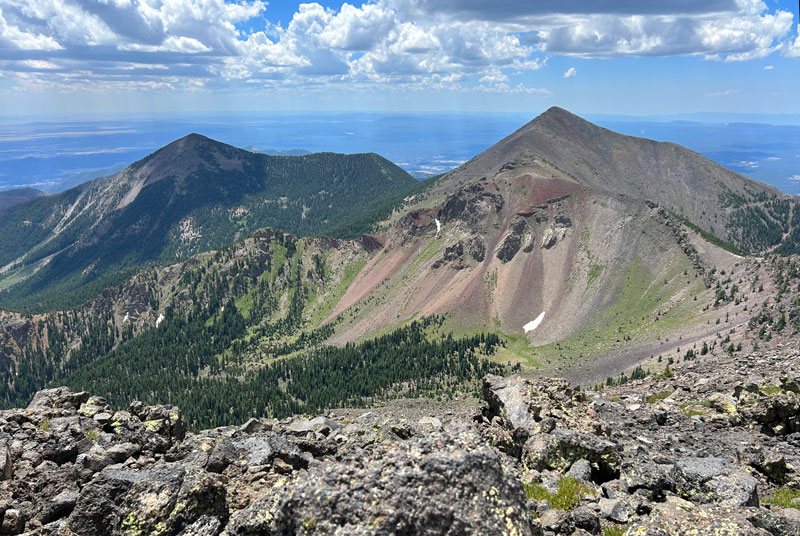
[[13, 522], [706, 480], [95, 405], [585, 518], [676, 517], [6, 467], [419, 486], [470, 205], [222, 456], [775, 523], [204, 526], [618, 510], [476, 248], [319, 425], [722, 403], [452, 253], [119, 452], [254, 426], [549, 239], [96, 459], [562, 447], [60, 506], [581, 469], [509, 399], [56, 398], [512, 242], [774, 465], [163, 419], [97, 507], [790, 384], [259, 450], [557, 521], [75, 475], [639, 471], [167, 498]]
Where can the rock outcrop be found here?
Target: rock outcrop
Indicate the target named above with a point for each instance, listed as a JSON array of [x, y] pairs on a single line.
[[535, 457]]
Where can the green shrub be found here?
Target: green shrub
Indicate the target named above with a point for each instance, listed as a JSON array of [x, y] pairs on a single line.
[[614, 530], [657, 397], [569, 494], [783, 497]]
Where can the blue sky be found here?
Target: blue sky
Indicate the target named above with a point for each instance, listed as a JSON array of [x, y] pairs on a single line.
[[590, 56]]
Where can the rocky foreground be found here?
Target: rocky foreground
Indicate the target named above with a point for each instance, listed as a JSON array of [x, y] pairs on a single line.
[[694, 453]]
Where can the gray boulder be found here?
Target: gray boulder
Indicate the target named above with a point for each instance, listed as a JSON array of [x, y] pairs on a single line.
[[714, 480]]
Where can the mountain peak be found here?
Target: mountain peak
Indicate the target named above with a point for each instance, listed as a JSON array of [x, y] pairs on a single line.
[[560, 116], [194, 137]]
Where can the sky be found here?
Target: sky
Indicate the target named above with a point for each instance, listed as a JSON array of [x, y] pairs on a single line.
[[631, 57]]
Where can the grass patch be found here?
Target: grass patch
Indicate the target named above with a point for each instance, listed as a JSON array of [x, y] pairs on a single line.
[[771, 390], [332, 297], [570, 492], [638, 313], [614, 530], [427, 253], [594, 272], [783, 497], [657, 397], [244, 305], [278, 259]]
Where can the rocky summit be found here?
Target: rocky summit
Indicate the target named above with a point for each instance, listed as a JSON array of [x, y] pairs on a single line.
[[711, 447]]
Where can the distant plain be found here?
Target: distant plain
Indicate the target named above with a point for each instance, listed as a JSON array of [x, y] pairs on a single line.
[[53, 155]]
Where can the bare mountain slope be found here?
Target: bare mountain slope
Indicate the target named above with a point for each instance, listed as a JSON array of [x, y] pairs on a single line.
[[558, 144]]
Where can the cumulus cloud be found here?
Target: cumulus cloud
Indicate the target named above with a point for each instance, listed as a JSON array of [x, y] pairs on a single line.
[[458, 44], [792, 49]]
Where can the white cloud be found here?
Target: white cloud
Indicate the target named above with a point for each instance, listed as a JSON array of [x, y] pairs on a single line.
[[792, 49], [12, 36], [722, 93], [456, 44], [769, 67], [795, 178]]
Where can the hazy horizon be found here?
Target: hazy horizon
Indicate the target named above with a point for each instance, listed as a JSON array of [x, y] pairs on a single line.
[[55, 155]]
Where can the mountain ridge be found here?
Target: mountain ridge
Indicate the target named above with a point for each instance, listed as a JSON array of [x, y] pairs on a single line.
[[18, 196], [719, 201], [574, 279], [193, 194]]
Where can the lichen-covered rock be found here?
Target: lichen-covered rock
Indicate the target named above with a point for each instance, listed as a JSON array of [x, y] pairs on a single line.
[[679, 518], [714, 480], [562, 447], [638, 471], [74, 466], [444, 485]]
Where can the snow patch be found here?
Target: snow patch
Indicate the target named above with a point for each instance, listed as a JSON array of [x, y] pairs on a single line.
[[160, 319], [438, 227], [533, 324], [126, 318]]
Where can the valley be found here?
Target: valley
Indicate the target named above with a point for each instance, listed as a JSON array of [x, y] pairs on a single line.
[[560, 226]]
